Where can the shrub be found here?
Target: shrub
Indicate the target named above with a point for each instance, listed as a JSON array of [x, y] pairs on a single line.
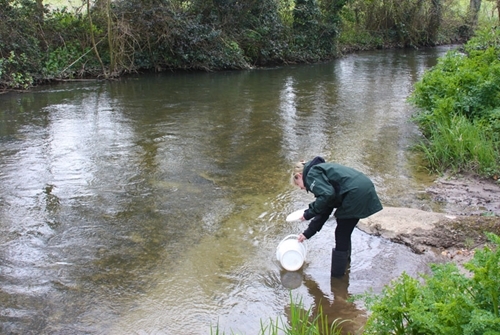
[[446, 302], [459, 100], [469, 84]]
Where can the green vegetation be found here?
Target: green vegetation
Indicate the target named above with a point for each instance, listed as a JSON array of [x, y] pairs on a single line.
[[459, 101], [447, 302], [42, 41], [108, 38], [460, 108], [300, 322], [370, 24]]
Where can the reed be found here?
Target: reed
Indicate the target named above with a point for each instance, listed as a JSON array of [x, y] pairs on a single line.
[[460, 145], [301, 321]]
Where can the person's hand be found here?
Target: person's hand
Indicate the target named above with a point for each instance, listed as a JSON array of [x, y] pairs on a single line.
[[302, 218], [301, 238]]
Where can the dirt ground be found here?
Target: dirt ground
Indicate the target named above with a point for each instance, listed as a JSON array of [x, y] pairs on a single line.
[[467, 195], [476, 204], [472, 207]]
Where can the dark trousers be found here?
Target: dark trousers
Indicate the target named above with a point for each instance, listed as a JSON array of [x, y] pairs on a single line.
[[343, 233]]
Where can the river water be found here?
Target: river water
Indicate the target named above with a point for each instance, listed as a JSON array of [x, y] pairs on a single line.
[[154, 204]]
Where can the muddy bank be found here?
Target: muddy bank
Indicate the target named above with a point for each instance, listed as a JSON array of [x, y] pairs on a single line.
[[467, 195], [472, 207]]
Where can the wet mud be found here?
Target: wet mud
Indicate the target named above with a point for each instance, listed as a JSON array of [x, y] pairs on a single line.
[[467, 195], [471, 208]]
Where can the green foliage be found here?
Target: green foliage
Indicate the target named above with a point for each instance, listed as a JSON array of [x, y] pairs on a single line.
[[134, 35], [306, 28], [12, 74], [458, 144], [403, 23], [446, 302], [44, 43], [20, 49], [470, 85], [391, 312], [63, 62], [491, 124], [261, 32], [159, 37], [63, 21], [316, 26], [484, 39], [459, 101], [486, 268]]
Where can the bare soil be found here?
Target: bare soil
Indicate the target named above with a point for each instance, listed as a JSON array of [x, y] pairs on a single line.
[[471, 208], [474, 205], [467, 195]]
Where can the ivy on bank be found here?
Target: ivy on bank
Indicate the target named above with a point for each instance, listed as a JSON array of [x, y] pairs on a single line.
[[108, 38], [112, 38]]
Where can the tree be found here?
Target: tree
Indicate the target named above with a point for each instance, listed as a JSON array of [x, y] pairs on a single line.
[[435, 19], [475, 6], [40, 10], [498, 9]]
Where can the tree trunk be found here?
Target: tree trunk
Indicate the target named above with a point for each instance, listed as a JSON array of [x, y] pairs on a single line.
[[435, 19], [475, 6], [110, 39], [40, 10], [92, 39], [498, 9]]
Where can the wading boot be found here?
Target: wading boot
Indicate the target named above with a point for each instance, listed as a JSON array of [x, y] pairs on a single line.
[[339, 262]]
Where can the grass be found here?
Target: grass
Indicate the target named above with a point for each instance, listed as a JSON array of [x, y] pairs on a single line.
[[300, 322], [459, 145]]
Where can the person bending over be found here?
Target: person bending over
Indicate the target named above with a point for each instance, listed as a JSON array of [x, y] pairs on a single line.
[[335, 186]]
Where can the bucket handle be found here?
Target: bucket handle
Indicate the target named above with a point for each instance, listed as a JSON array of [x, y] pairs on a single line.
[[292, 235], [287, 237]]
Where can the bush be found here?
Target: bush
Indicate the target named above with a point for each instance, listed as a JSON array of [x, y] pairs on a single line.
[[12, 72], [461, 84], [459, 101], [20, 48], [447, 302]]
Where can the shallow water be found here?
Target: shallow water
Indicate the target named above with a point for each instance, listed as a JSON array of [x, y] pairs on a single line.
[[154, 204]]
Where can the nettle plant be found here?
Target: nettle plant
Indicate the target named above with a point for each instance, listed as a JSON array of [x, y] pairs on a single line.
[[446, 302]]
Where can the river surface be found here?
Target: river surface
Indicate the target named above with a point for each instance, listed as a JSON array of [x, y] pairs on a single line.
[[154, 204]]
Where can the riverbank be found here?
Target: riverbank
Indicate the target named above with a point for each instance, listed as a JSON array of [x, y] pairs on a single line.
[[472, 207]]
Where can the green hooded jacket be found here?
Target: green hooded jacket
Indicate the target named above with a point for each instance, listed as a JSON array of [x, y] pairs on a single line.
[[341, 187]]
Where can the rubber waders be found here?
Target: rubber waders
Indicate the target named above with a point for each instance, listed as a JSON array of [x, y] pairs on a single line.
[[339, 262]]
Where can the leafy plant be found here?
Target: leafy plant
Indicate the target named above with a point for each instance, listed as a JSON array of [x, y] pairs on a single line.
[[63, 61], [459, 101], [461, 84], [446, 302], [12, 74]]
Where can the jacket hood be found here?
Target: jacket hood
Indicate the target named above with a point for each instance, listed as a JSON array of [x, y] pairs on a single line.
[[315, 161]]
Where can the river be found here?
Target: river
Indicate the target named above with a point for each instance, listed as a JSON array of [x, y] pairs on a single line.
[[153, 204]]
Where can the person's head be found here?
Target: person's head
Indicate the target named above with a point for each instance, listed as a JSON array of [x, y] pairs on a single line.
[[296, 179]]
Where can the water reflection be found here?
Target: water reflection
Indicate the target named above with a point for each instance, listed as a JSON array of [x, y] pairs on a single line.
[[291, 279], [155, 203], [333, 304], [336, 306]]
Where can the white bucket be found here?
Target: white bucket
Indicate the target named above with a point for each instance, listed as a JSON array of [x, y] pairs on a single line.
[[291, 253]]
